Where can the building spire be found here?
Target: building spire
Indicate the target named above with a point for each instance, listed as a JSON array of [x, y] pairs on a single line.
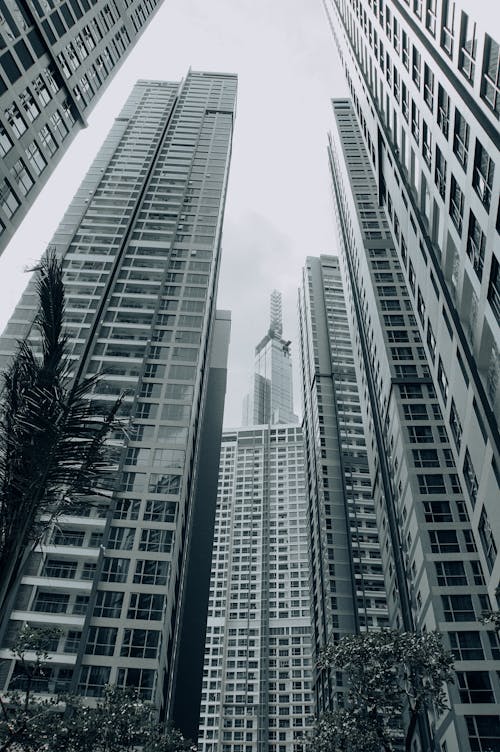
[[276, 319]]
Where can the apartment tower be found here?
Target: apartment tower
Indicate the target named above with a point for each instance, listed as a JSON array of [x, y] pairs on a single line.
[[140, 246], [256, 694], [424, 78], [56, 60], [347, 582], [435, 561]]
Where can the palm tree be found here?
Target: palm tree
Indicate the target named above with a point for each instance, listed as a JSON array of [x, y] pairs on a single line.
[[52, 442]]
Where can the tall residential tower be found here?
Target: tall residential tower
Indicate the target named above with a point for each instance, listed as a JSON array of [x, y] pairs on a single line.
[[140, 246], [347, 582], [435, 563], [425, 83], [56, 59], [256, 693]]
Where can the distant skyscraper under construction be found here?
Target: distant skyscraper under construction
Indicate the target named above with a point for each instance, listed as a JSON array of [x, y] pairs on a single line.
[[140, 246], [271, 393], [56, 60]]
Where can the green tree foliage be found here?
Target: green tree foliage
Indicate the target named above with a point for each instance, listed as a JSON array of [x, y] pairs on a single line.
[[52, 443], [119, 722], [393, 677]]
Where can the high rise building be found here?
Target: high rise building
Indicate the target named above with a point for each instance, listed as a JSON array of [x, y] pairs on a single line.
[[424, 79], [56, 60], [256, 693], [140, 246], [347, 581], [437, 564], [271, 392]]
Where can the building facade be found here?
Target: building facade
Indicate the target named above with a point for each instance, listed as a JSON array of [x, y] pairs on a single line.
[[56, 59], [347, 581], [256, 693], [424, 79], [140, 246], [436, 576], [271, 392]]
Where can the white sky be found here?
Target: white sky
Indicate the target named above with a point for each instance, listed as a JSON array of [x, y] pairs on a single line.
[[279, 208]]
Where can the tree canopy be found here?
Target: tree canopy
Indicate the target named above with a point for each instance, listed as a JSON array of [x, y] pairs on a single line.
[[52, 441], [392, 678], [120, 721]]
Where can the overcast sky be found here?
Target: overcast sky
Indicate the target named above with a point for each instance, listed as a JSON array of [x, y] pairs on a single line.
[[279, 208]]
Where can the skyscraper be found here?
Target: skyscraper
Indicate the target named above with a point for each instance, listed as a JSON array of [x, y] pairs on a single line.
[[56, 60], [425, 87], [435, 562], [271, 393], [140, 245], [347, 581], [256, 694]]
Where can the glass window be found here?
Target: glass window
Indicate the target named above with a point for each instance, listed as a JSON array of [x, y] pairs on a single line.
[[476, 245], [468, 47], [450, 573], [461, 132], [490, 84], [21, 177], [115, 570], [494, 288], [443, 113], [151, 572], [15, 120], [108, 604], [60, 568], [140, 643], [47, 140], [29, 105], [475, 686], [447, 26], [466, 646], [156, 540], [52, 603], [416, 66], [141, 679], [470, 477], [430, 16], [440, 172], [5, 142], [456, 209], [35, 158], [145, 606], [482, 177], [101, 641], [121, 538], [428, 87], [487, 539], [458, 608], [93, 679]]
